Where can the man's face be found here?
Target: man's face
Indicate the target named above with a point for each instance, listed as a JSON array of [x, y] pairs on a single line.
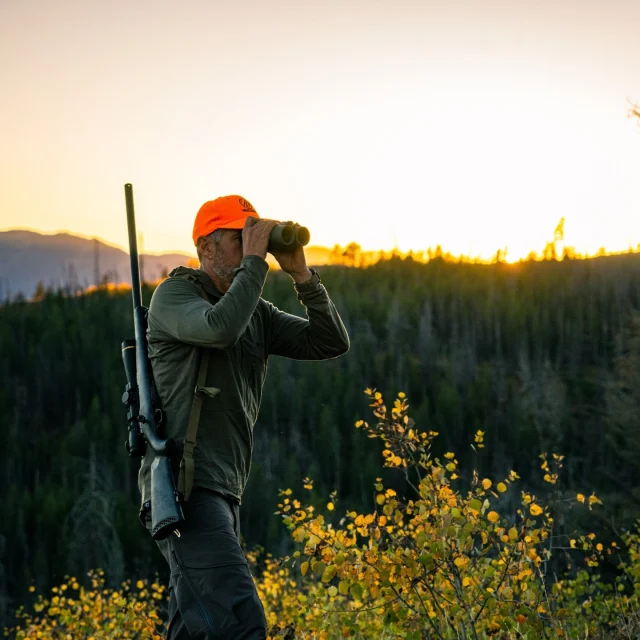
[[227, 254]]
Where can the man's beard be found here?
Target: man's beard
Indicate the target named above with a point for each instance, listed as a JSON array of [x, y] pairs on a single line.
[[226, 274]]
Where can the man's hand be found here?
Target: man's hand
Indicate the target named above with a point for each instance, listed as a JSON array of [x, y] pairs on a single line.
[[293, 262], [255, 236]]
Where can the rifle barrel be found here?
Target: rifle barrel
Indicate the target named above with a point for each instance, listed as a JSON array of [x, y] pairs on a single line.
[[133, 247]]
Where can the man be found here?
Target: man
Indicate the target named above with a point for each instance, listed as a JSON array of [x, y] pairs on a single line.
[[217, 310]]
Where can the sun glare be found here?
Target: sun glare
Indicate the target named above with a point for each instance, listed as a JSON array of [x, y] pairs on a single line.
[[497, 174]]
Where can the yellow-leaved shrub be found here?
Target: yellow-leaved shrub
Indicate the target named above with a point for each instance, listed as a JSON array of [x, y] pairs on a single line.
[[73, 612], [448, 560]]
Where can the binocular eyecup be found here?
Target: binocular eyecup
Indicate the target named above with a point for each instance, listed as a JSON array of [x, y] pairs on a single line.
[[286, 237]]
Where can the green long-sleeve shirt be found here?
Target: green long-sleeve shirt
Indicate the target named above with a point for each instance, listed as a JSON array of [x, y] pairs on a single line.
[[241, 330]]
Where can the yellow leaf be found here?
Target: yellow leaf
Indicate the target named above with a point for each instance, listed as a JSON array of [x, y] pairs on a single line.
[[486, 484], [380, 498], [332, 591], [535, 510], [304, 567], [492, 516], [501, 487], [330, 506], [580, 497]]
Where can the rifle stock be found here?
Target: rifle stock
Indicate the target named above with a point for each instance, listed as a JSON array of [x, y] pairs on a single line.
[[166, 512]]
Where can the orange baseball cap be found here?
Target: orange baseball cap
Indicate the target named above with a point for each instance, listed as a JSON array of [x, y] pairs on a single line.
[[226, 212]]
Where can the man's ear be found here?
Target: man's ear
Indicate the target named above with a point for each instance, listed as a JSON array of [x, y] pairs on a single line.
[[204, 248]]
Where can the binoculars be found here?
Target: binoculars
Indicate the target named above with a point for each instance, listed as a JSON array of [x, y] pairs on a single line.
[[285, 237]]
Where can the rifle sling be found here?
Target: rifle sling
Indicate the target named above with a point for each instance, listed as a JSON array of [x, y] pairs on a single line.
[[185, 477]]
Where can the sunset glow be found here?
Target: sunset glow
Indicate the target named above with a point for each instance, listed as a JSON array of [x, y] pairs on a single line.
[[407, 125]]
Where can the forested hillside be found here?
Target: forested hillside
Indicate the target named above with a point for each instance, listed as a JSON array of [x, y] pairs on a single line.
[[543, 356]]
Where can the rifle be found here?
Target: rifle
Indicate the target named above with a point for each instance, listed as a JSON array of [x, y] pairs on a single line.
[[144, 413]]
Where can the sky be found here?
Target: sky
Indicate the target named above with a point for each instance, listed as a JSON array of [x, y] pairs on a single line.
[[407, 124]]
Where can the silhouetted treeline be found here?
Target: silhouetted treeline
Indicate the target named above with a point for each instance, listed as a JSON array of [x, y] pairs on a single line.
[[543, 356]]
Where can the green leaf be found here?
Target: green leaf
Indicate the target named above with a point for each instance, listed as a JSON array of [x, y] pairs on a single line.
[[426, 559], [356, 591], [329, 572]]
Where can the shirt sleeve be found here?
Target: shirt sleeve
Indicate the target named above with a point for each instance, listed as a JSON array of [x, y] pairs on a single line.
[[320, 336], [179, 312]]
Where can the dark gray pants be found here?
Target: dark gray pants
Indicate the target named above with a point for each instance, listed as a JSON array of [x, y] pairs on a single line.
[[211, 592]]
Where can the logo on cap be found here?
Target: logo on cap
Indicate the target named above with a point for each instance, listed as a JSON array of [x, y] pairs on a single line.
[[247, 207]]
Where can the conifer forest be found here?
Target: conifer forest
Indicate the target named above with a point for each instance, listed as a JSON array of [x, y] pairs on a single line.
[[541, 356]]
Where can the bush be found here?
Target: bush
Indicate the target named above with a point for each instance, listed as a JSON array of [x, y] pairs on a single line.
[[448, 560], [97, 613], [443, 562]]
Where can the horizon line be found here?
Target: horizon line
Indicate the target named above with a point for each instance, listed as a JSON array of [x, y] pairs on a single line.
[[438, 249]]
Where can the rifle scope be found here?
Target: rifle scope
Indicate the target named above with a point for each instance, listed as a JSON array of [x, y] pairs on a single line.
[[136, 444]]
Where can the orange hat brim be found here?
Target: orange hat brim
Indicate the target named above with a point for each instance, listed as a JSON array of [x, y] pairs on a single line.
[[238, 223]]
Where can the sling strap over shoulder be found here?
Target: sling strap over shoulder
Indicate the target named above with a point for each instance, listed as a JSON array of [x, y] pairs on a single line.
[[187, 468]]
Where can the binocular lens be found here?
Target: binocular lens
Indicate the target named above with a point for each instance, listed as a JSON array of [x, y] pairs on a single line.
[[303, 236], [288, 234]]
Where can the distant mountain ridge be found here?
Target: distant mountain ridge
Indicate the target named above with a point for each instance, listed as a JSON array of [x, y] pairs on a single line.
[[69, 262], [65, 261]]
